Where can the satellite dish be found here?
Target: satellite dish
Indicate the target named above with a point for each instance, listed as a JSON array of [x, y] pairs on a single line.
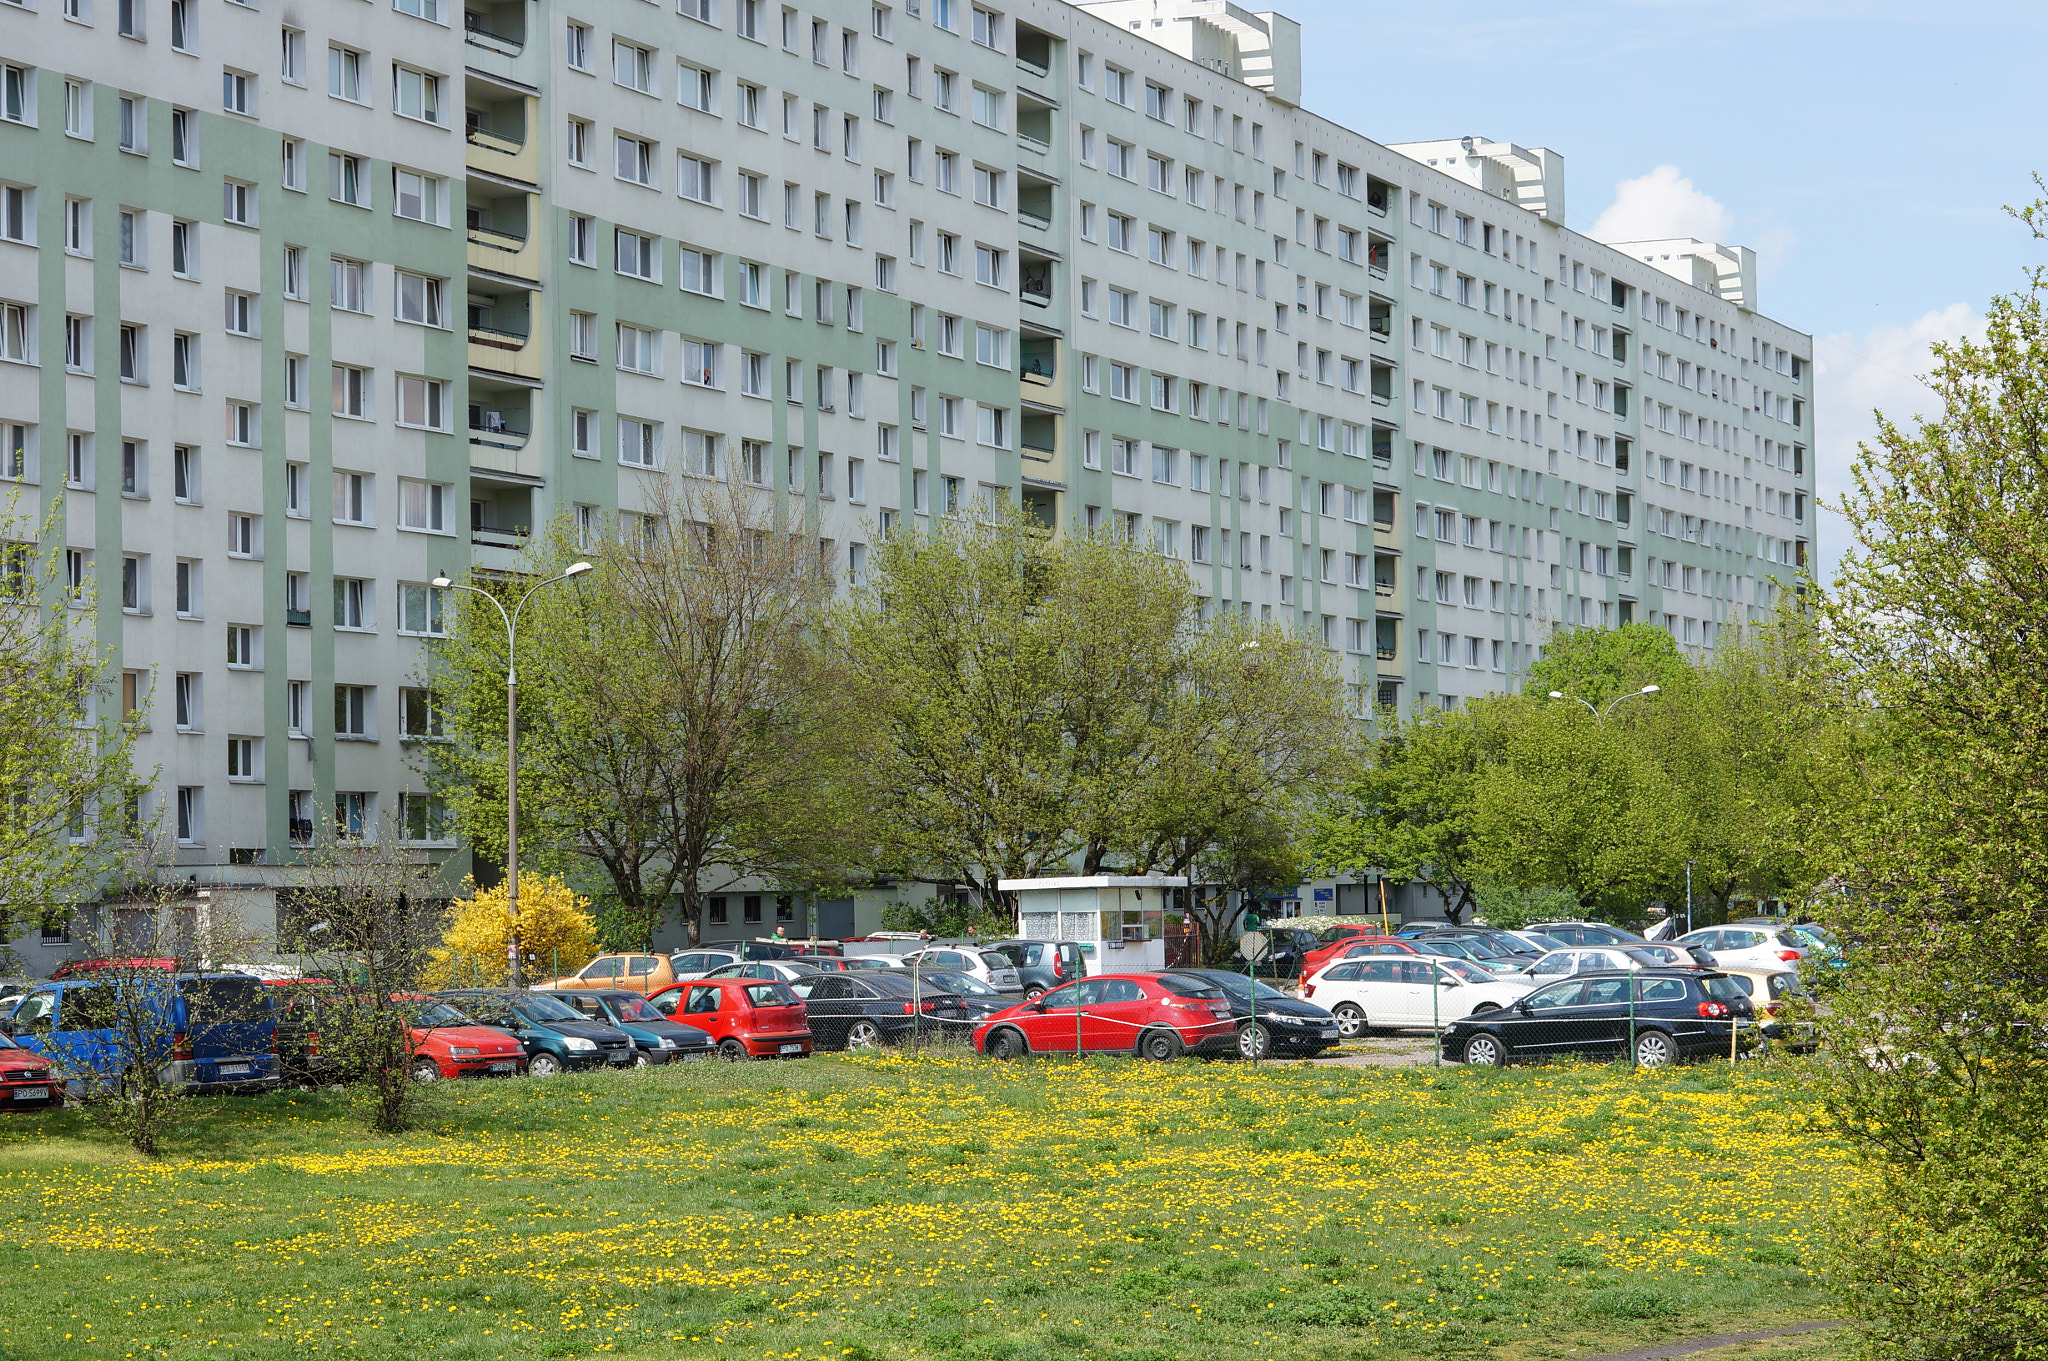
[[1254, 945]]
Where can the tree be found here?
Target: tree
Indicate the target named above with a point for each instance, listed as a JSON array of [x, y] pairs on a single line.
[[1601, 665], [677, 715], [1939, 621], [1408, 805], [67, 788], [1256, 853], [555, 929], [1051, 702], [363, 921]]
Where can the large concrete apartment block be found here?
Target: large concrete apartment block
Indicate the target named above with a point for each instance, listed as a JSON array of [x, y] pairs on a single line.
[[307, 304]]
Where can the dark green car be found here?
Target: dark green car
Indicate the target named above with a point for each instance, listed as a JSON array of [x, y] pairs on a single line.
[[557, 1038], [656, 1039]]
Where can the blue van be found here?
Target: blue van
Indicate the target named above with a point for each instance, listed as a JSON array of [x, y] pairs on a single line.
[[211, 1032]]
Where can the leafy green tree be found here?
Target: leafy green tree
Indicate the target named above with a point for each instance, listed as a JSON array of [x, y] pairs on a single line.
[[67, 786], [1601, 665], [1939, 618], [1053, 702], [1510, 907], [679, 718]]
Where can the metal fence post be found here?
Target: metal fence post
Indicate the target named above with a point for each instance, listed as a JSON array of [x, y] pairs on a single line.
[[1634, 986]]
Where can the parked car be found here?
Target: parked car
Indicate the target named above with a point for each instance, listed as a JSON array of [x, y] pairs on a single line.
[[1675, 1014], [294, 1005], [977, 999], [781, 970], [1156, 1016], [448, 1044], [1289, 947], [1677, 956], [632, 973], [1768, 947], [749, 1018], [1770, 991], [1353, 947], [1586, 933], [1564, 963], [26, 1082], [1042, 964], [557, 1038], [1330, 935], [1475, 951], [12, 988], [209, 1032], [688, 964], [991, 966], [656, 1039], [1404, 993], [1540, 941], [1278, 1025], [79, 968], [867, 1011]]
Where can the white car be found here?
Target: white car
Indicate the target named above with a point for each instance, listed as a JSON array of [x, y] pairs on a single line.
[[1589, 959], [990, 966], [1748, 947], [781, 970], [1399, 991]]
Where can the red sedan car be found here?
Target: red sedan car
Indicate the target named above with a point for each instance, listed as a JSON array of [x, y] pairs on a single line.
[[750, 1018], [25, 1079], [446, 1043], [1156, 1016]]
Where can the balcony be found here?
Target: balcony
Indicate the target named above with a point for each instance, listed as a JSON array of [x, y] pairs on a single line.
[[501, 252], [1034, 281], [298, 619], [498, 153], [477, 33], [504, 352]]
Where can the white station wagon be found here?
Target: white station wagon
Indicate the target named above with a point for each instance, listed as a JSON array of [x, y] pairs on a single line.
[[1408, 991]]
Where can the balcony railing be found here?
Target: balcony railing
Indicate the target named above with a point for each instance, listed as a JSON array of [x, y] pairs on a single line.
[[491, 141], [509, 242], [1385, 588], [475, 34], [497, 339], [484, 536], [1034, 68], [298, 618], [1042, 221], [1388, 652], [1041, 452]]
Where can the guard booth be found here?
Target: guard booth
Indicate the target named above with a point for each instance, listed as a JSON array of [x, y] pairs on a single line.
[[1119, 920]]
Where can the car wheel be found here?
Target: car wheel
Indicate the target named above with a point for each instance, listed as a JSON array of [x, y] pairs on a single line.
[[1033, 993], [426, 1070], [1254, 1041], [640, 1059], [544, 1065], [1004, 1045], [1350, 1020], [864, 1035], [1654, 1049], [732, 1051], [1485, 1051], [1160, 1046], [1485, 1007]]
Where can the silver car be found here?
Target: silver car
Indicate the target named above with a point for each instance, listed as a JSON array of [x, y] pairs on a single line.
[[990, 967], [1588, 959]]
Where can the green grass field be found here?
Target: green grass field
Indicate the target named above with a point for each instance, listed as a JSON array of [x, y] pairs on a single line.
[[856, 1209]]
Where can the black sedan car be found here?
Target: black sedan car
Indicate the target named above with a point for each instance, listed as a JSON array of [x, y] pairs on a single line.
[[656, 1038], [1675, 1014], [1285, 1026], [868, 1010]]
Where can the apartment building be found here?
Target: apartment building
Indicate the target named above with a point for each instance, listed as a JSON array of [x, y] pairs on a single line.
[[303, 306]]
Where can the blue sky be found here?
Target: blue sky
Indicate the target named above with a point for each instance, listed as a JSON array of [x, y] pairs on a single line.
[[1865, 150]]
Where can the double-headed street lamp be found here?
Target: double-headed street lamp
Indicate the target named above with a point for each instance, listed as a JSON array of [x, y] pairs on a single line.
[[1600, 715], [512, 748]]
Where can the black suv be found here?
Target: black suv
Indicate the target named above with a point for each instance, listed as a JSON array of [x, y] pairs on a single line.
[[1041, 964]]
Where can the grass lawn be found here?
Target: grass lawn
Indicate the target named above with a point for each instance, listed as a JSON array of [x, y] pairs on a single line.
[[853, 1209]]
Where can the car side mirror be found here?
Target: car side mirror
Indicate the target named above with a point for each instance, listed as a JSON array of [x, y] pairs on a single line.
[[1038, 1006]]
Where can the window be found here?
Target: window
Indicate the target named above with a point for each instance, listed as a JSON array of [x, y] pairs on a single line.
[[245, 425], [415, 94], [345, 74], [636, 255], [422, 403], [242, 313], [421, 607], [134, 354], [244, 646], [17, 214], [632, 67], [78, 344], [696, 179], [416, 196], [349, 284], [355, 713], [351, 391], [419, 299], [354, 602], [639, 442], [639, 350], [348, 179], [17, 333], [238, 92], [633, 159], [238, 202]]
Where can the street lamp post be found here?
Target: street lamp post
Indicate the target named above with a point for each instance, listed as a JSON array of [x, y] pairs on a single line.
[[1600, 715], [512, 749]]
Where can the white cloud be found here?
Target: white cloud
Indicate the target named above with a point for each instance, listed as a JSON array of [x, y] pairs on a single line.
[[1661, 205], [1859, 373]]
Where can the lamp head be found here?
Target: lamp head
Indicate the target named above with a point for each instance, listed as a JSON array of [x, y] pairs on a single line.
[[441, 583], [1648, 690], [1557, 694], [577, 569]]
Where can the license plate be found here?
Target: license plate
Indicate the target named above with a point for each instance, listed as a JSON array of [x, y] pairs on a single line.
[[503, 1067], [234, 1070], [31, 1093], [1330, 1034], [618, 1058], [792, 1049]]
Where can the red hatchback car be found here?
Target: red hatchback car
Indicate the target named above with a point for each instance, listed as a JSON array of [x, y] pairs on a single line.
[[25, 1079], [750, 1018], [1156, 1016], [446, 1043]]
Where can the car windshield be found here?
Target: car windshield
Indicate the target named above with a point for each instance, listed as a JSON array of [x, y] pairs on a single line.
[[426, 1014], [540, 1007], [1539, 941], [635, 1009], [1457, 948], [1819, 933], [6, 1043], [1241, 988], [991, 960]]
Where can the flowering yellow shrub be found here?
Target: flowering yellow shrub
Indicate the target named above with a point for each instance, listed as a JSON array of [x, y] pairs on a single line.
[[554, 923]]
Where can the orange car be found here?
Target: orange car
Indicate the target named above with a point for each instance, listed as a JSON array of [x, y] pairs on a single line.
[[644, 974]]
